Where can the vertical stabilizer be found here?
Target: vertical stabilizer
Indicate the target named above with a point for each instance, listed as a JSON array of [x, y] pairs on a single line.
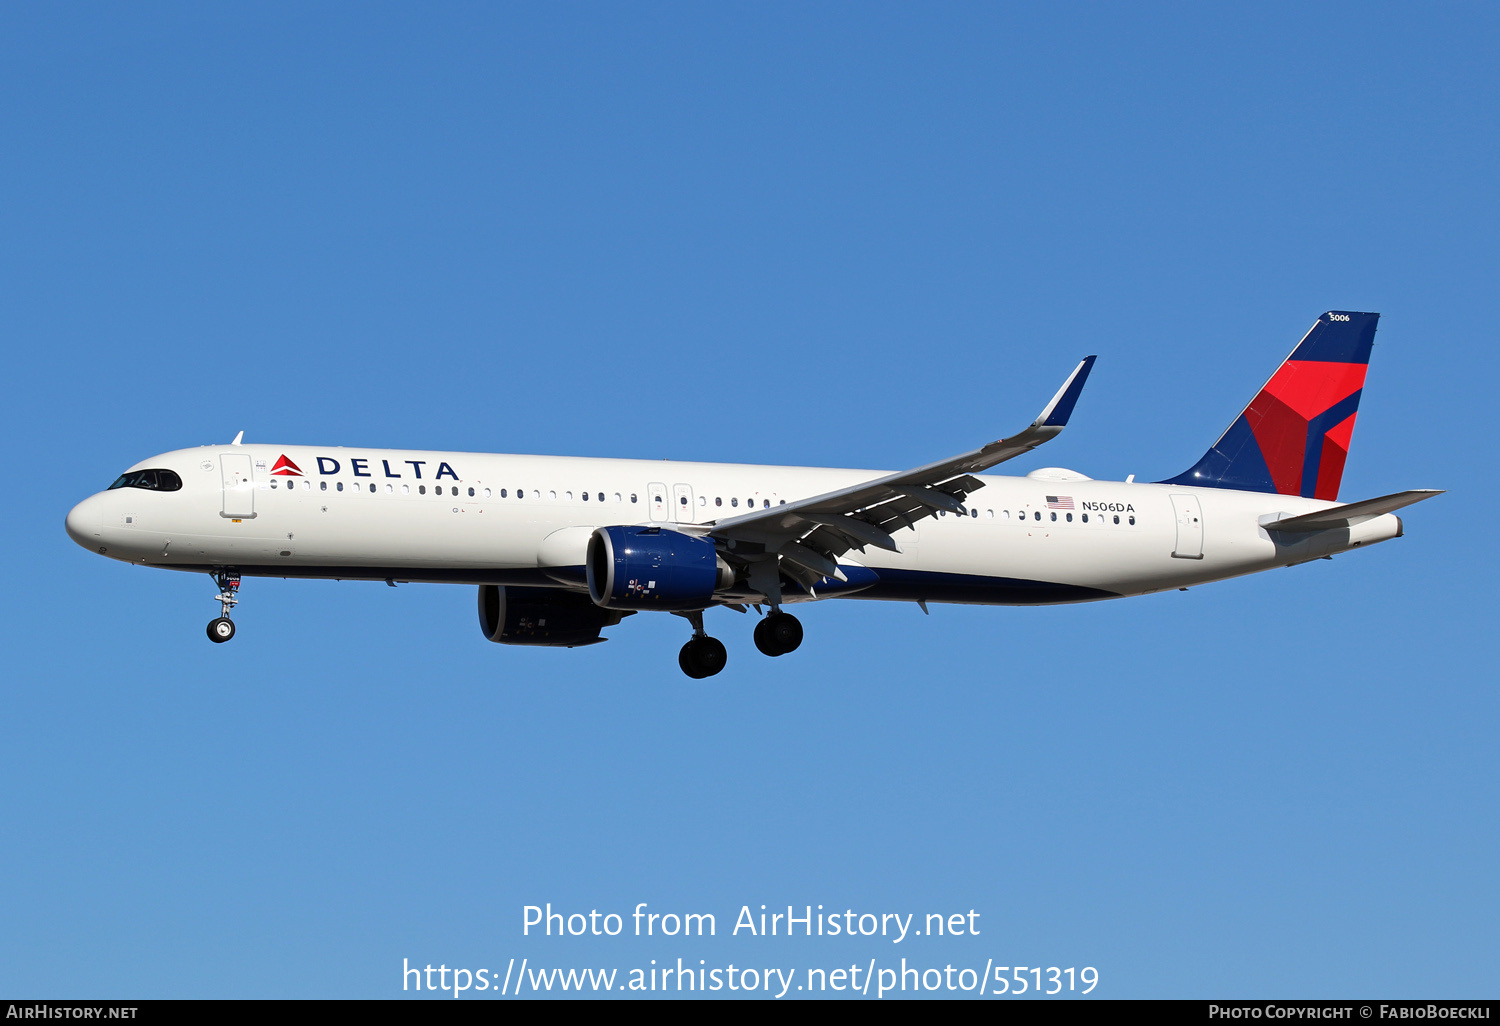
[[1294, 436]]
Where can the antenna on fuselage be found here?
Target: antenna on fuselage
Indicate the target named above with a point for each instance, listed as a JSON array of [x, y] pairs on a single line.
[[237, 438]]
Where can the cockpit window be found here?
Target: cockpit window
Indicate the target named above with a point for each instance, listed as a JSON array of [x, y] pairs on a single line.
[[151, 480]]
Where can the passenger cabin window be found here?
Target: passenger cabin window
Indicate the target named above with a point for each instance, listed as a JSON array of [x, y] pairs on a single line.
[[151, 480]]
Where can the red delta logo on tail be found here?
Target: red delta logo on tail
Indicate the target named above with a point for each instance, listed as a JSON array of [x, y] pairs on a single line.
[[1289, 420], [285, 468], [1294, 436]]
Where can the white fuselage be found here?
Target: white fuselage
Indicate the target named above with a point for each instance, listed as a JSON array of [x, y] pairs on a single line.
[[525, 520]]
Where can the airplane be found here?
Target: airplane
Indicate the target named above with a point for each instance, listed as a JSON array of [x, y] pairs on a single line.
[[563, 547]]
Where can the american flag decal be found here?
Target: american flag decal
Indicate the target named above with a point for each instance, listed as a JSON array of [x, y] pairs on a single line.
[[1059, 502]]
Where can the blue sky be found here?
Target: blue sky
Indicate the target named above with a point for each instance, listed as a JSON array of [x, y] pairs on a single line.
[[850, 235]]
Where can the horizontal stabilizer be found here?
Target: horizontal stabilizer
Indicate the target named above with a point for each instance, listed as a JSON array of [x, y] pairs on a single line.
[[1351, 513]]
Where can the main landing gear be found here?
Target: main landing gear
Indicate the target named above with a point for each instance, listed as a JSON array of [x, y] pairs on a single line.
[[222, 629], [702, 656], [778, 634]]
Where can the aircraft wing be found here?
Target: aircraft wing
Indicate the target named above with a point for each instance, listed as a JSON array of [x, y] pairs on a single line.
[[1351, 513], [806, 537]]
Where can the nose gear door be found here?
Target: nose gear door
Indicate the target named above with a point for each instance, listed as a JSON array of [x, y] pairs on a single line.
[[239, 486]]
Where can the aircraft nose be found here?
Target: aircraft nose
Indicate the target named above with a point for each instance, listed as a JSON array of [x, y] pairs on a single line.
[[85, 521]]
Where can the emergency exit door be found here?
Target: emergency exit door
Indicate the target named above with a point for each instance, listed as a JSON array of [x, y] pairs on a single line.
[[656, 495], [1189, 527], [682, 504]]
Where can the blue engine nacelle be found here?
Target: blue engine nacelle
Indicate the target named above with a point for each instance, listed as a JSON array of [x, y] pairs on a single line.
[[653, 568]]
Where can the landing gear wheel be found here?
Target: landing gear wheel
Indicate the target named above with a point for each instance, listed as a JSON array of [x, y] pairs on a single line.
[[220, 630], [702, 657], [778, 634]]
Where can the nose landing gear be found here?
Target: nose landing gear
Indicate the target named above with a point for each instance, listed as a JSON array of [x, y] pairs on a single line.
[[778, 634], [222, 629], [702, 656]]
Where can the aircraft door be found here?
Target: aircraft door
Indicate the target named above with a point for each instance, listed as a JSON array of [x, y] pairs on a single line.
[[1189, 527], [682, 504], [239, 486], [656, 495]]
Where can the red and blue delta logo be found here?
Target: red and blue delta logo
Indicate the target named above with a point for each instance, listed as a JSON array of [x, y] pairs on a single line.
[[285, 468]]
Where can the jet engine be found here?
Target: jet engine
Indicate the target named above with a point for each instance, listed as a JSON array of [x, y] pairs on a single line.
[[546, 617], [654, 568]]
